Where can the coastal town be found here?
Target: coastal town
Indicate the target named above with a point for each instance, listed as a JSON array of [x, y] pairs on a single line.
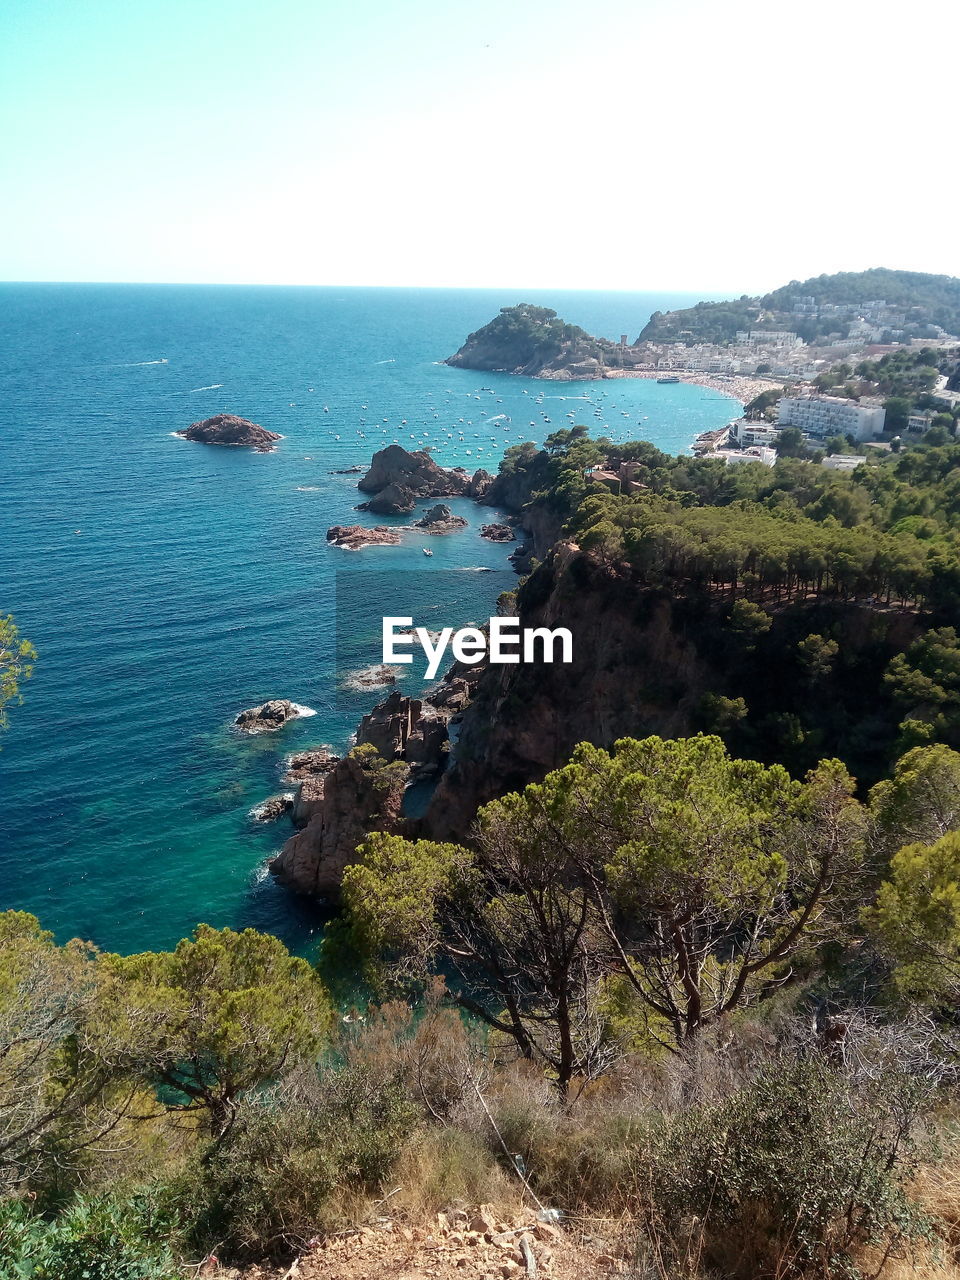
[[833, 369]]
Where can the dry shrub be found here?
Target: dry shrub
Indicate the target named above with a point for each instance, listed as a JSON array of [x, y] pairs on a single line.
[[452, 1168]]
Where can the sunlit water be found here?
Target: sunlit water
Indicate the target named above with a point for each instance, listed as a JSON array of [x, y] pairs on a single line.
[[167, 585]]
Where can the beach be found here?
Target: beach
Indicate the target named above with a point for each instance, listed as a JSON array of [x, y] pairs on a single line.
[[742, 388]]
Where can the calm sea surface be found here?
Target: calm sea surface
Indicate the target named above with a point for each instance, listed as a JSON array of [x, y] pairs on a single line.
[[168, 585]]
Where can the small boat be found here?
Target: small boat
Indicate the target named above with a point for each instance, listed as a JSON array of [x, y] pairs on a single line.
[[426, 551], [670, 379]]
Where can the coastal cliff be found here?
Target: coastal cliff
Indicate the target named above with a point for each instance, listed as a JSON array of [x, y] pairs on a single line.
[[535, 342], [651, 661], [339, 801]]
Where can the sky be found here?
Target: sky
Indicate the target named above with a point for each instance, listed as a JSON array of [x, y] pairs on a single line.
[[722, 146]]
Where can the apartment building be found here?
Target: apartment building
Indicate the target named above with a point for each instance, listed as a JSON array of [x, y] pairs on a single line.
[[823, 416]]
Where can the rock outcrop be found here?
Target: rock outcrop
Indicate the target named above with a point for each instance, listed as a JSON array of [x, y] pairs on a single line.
[[535, 342], [360, 794], [397, 479], [338, 801], [228, 429], [497, 533], [408, 729], [268, 717], [440, 519], [353, 537], [272, 808], [308, 769]]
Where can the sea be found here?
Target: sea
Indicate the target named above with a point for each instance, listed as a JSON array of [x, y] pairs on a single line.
[[168, 585]]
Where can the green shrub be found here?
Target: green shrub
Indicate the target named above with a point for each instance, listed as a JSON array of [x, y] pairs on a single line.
[[102, 1238], [267, 1187], [788, 1177]]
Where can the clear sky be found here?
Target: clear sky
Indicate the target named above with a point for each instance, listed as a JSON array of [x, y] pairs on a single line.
[[715, 145]]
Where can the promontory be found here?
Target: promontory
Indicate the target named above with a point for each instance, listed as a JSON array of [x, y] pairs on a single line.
[[535, 342]]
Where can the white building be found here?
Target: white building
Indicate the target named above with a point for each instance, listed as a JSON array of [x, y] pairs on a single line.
[[843, 462], [832, 415], [920, 422], [747, 434], [767, 456]]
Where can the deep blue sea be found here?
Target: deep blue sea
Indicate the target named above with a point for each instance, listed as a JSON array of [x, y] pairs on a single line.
[[167, 585]]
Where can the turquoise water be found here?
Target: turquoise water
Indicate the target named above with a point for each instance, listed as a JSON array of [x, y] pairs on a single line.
[[168, 585]]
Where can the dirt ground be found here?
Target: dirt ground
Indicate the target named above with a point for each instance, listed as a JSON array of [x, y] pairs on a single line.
[[464, 1245]]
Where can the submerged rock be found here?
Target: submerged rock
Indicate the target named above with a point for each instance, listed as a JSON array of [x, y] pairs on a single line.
[[228, 429], [272, 808]]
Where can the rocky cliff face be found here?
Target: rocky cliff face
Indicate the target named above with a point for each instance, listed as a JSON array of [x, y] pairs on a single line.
[[339, 801], [634, 672], [360, 794]]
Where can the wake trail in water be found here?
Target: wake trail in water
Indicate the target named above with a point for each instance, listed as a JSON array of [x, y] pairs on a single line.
[[214, 386]]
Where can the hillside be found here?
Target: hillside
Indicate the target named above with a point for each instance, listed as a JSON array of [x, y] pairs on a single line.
[[533, 341], [910, 302]]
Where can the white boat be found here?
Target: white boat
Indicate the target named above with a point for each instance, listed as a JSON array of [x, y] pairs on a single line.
[[426, 551]]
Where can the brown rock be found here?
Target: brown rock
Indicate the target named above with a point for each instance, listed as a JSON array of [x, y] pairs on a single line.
[[358, 796], [440, 519], [408, 728], [228, 429], [272, 808], [497, 533], [353, 537], [392, 500], [412, 473]]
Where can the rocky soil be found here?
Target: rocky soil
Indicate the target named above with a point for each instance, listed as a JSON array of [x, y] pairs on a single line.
[[228, 429], [459, 1245]]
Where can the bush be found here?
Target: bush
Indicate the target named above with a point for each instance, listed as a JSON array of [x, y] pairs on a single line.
[[92, 1239], [789, 1176], [292, 1153]]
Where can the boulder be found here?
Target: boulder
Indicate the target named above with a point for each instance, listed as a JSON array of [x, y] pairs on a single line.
[[228, 429], [268, 716], [440, 519]]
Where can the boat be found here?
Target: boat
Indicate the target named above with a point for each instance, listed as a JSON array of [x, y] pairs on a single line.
[[671, 378], [426, 551]]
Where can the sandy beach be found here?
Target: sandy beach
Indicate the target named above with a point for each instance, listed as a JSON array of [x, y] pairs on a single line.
[[739, 388]]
